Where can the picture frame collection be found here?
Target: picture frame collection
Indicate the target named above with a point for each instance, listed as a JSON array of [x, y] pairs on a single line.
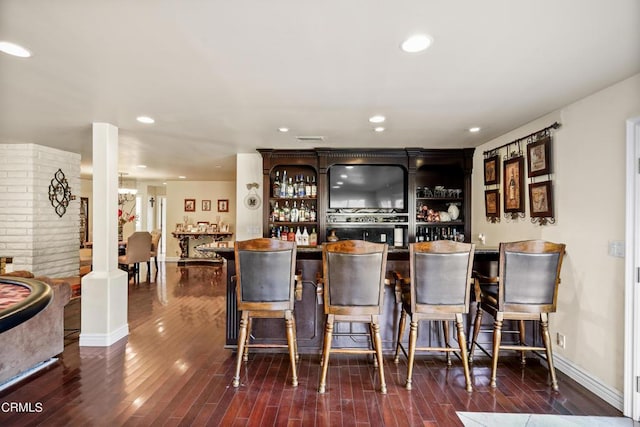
[[190, 205], [538, 166]]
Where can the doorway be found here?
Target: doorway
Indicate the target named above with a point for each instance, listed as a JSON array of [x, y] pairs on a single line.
[[632, 274]]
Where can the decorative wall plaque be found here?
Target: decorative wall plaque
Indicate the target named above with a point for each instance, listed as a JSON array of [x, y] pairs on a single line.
[[60, 193]]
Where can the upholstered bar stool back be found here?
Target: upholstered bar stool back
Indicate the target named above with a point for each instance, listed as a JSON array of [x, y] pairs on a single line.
[[353, 280], [265, 275], [527, 290], [440, 287]]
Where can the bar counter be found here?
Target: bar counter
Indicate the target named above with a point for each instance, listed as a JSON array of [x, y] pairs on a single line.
[[309, 309]]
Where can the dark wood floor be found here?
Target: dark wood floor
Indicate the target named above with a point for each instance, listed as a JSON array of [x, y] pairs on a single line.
[[173, 370]]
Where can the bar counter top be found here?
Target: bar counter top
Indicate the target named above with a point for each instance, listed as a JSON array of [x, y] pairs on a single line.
[[315, 252]]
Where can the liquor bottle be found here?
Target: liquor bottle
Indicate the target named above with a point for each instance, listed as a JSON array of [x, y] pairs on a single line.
[[307, 187], [291, 236], [275, 213], [286, 212], [273, 232], [298, 237], [305, 237], [294, 213], [312, 213], [420, 236], [314, 187], [303, 214], [301, 191], [313, 238], [290, 188], [284, 235], [276, 185], [283, 184]]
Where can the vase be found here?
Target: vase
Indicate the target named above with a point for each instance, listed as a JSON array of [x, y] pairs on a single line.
[[332, 236]]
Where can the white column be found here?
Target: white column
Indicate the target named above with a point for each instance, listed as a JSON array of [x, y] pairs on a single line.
[[104, 290]]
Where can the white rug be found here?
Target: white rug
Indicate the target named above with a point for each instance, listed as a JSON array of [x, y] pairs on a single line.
[[490, 419]]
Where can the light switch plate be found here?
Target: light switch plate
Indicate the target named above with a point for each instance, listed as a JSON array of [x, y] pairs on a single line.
[[616, 248]]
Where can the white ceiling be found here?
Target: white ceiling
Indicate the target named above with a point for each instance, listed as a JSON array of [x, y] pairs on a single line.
[[220, 77]]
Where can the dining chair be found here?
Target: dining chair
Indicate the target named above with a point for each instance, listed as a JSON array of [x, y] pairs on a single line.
[[138, 250], [156, 235]]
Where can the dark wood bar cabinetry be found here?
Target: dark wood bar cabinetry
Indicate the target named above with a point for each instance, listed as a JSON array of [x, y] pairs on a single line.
[[435, 202]]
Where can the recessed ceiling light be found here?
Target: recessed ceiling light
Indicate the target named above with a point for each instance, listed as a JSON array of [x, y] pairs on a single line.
[[218, 166], [336, 186], [142, 166], [182, 177], [164, 183], [348, 167], [146, 120], [343, 176], [379, 129], [283, 130], [14, 49], [339, 182], [377, 119], [417, 43], [474, 129]]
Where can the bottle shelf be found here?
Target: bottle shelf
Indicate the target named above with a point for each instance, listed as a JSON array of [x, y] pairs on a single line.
[[296, 224], [438, 224]]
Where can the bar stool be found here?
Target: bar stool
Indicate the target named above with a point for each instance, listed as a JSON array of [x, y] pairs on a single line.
[[265, 274], [527, 290], [440, 286], [353, 282]]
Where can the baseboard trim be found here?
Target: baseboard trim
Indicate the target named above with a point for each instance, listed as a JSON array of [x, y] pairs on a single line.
[[103, 340], [28, 372], [594, 385]]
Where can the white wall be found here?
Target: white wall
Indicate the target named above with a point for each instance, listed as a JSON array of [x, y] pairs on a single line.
[[177, 191], [248, 221], [30, 230], [589, 185]]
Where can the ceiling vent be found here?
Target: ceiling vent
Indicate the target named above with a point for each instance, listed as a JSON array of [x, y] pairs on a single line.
[[310, 138]]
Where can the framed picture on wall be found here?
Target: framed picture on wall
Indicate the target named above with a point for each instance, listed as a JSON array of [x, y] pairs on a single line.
[[223, 205], [513, 173], [541, 199], [189, 205], [491, 171], [539, 157], [492, 203], [206, 205]]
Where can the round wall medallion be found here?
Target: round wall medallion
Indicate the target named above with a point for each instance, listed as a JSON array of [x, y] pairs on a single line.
[[252, 201]]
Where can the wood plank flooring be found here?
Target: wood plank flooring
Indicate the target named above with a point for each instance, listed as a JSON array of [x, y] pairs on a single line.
[[173, 369]]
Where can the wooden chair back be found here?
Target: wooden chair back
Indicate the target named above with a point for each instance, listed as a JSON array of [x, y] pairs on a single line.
[[265, 274], [354, 275], [441, 276], [529, 276]]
